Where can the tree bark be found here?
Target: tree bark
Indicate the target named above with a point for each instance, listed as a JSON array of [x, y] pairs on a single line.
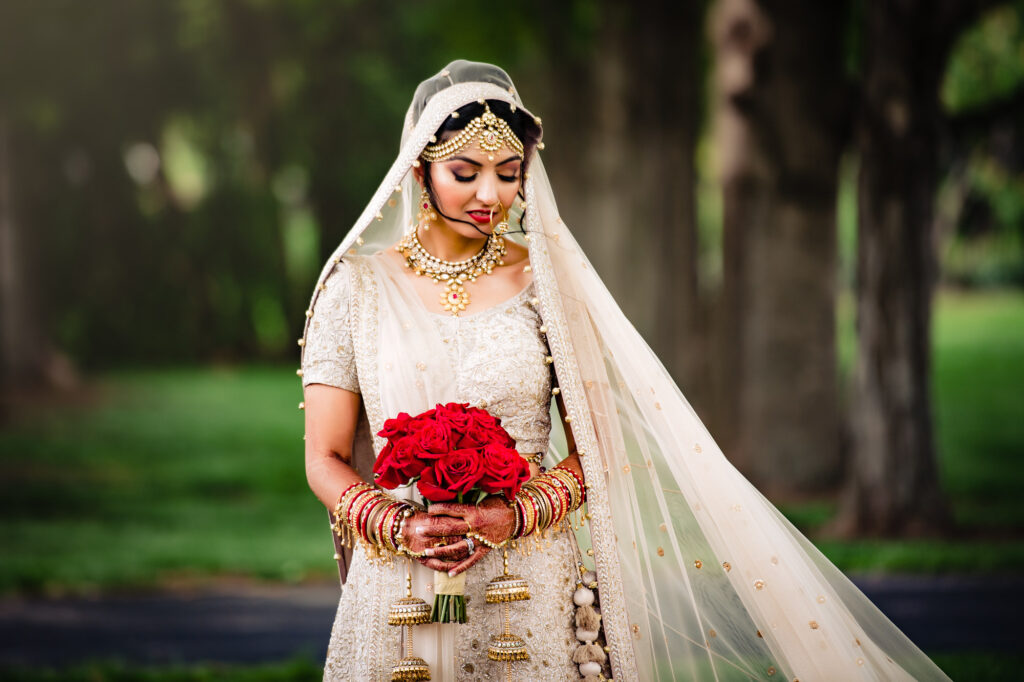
[[894, 485], [623, 167], [780, 129]]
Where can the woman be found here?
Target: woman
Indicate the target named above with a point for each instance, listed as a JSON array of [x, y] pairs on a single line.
[[698, 576]]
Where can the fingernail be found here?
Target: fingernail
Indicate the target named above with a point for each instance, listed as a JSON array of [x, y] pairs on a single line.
[[429, 551], [452, 573], [419, 529]]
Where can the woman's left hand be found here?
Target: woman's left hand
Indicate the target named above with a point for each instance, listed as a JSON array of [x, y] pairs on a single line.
[[492, 519]]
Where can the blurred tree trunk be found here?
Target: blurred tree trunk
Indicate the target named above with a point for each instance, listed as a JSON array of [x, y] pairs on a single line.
[[27, 358], [894, 486], [623, 169], [780, 130]]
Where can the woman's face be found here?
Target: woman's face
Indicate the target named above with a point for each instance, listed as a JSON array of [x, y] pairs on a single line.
[[473, 186]]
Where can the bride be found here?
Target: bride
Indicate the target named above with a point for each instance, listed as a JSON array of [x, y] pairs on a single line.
[[645, 554]]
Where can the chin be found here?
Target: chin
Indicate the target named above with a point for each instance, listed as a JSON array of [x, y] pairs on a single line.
[[469, 232]]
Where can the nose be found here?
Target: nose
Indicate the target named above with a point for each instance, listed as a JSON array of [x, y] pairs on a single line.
[[487, 190]]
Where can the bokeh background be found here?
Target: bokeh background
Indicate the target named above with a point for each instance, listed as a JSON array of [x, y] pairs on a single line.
[[814, 212]]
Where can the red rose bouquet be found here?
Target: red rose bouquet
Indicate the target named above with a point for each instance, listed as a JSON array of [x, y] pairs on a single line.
[[452, 452]]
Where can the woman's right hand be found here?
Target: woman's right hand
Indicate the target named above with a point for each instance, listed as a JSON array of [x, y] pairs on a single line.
[[422, 530]]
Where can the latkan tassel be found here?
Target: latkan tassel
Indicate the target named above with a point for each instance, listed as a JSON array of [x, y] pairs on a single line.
[[588, 653], [587, 618], [507, 647], [410, 668], [409, 611]]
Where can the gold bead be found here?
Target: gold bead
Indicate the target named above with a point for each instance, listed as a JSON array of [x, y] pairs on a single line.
[[534, 301], [337, 557], [455, 114], [298, 372], [527, 268], [301, 342], [359, 240], [433, 139], [536, 119], [543, 329], [548, 359], [302, 406], [309, 313], [416, 163], [568, 419], [540, 146], [590, 552], [556, 390]]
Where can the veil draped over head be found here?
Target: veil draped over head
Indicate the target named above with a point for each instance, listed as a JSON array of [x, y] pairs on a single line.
[[700, 577]]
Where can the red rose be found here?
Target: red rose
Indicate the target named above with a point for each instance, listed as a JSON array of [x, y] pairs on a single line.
[[487, 423], [435, 439], [456, 473], [385, 472], [505, 470], [399, 462], [395, 428], [454, 416]]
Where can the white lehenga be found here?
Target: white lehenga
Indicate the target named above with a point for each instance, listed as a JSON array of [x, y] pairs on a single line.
[[498, 359]]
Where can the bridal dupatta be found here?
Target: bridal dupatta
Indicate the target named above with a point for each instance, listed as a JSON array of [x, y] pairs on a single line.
[[700, 577]]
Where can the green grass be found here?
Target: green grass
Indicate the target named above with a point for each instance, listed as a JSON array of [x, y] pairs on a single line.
[[199, 472], [172, 473]]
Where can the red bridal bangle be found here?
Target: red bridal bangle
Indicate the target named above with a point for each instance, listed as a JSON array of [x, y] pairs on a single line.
[[579, 481]]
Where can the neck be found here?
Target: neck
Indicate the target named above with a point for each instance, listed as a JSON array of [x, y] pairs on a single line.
[[444, 243]]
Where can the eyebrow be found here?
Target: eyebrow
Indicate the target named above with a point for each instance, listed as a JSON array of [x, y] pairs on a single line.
[[510, 159]]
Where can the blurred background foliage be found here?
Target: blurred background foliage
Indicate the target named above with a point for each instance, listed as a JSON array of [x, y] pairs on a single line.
[[177, 172], [180, 169]]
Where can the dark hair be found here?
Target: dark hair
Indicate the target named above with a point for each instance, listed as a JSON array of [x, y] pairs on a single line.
[[521, 123]]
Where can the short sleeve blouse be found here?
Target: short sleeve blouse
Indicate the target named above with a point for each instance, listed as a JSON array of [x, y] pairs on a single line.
[[329, 357]]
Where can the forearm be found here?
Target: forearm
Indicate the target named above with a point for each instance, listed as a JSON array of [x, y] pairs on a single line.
[[328, 475]]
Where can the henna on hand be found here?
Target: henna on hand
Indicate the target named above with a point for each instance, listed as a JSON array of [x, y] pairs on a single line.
[[422, 531], [492, 519]]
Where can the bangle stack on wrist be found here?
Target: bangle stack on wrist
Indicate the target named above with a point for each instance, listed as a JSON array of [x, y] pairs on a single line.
[[374, 518], [546, 500]]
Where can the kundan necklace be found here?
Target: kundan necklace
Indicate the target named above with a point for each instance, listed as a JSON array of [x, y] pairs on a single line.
[[452, 274]]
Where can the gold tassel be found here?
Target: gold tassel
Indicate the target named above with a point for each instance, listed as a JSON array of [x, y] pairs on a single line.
[[504, 590], [407, 612]]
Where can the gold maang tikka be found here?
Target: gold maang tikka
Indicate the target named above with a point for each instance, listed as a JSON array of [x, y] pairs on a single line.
[[489, 131]]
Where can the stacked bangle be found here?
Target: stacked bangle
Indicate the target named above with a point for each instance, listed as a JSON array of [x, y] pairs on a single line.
[[546, 500], [372, 517]]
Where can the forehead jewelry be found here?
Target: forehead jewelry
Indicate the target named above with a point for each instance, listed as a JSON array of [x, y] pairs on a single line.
[[452, 274], [490, 132]]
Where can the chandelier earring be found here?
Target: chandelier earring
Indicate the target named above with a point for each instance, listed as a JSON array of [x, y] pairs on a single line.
[[426, 214]]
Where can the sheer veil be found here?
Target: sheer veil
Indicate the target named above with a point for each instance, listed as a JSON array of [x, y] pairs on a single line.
[[700, 577]]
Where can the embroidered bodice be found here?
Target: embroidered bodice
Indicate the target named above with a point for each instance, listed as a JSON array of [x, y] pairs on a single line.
[[498, 354]]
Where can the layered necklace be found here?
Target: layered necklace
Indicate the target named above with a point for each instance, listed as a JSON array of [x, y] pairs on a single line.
[[452, 274]]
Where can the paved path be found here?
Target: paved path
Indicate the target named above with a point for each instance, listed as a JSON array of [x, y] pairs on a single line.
[[259, 624]]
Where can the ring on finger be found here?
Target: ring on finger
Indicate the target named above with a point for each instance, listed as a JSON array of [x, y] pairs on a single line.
[[470, 545]]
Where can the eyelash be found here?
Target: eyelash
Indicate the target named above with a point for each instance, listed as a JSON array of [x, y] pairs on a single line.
[[470, 178]]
